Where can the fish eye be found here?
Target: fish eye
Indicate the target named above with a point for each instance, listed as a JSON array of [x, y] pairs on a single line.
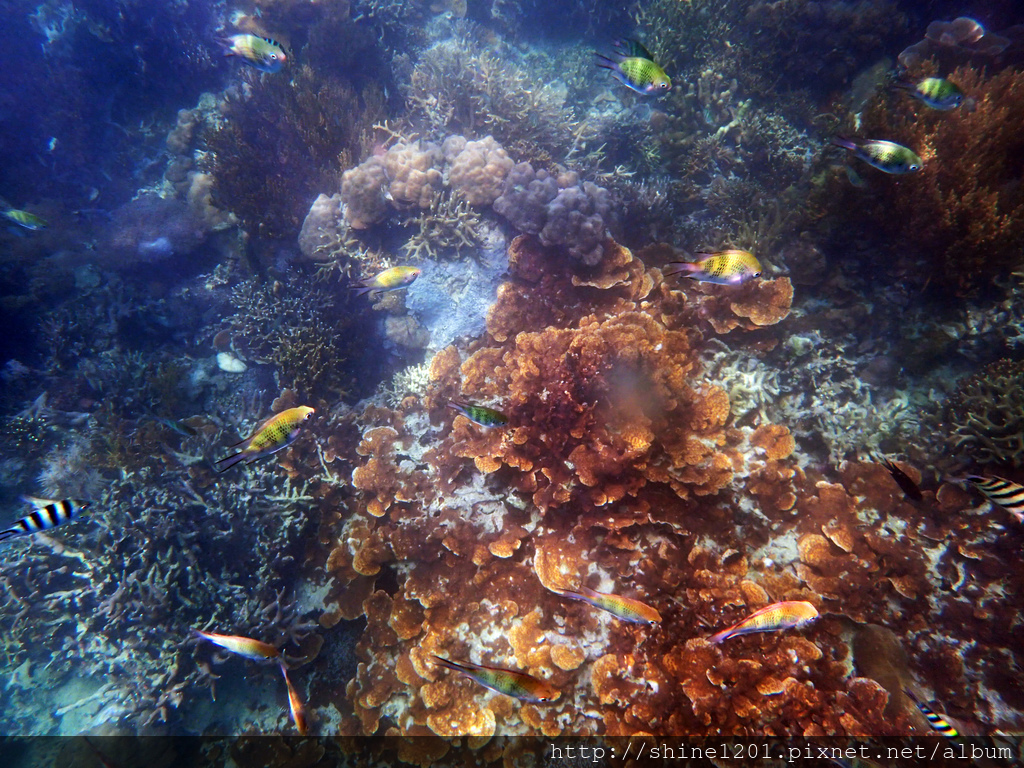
[[915, 167], [757, 274], [273, 57]]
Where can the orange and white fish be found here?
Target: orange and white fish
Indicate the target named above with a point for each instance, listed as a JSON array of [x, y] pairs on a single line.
[[295, 704], [624, 608], [389, 280], [784, 615], [507, 681], [271, 436], [243, 646]]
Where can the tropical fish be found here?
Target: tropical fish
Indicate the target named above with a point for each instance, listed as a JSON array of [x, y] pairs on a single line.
[[935, 92], [908, 486], [935, 720], [855, 178], [271, 436], [479, 414], [624, 608], [886, 156], [47, 514], [507, 681], [1001, 491], [243, 646], [180, 427], [731, 267], [784, 615], [634, 67], [261, 52], [24, 219], [295, 704], [391, 279]]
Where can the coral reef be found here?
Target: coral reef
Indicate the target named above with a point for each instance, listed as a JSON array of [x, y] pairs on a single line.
[[985, 415], [460, 86], [561, 210], [476, 169], [963, 214], [279, 145]]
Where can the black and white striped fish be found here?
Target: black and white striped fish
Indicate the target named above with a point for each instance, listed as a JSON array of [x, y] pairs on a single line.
[[1009, 496], [935, 720], [47, 514]]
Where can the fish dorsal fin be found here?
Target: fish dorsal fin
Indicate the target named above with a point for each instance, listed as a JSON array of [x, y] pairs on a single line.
[[37, 502], [634, 48]]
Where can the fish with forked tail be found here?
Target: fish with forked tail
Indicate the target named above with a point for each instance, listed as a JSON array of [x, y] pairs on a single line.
[[271, 436], [785, 615], [507, 681], [623, 608], [47, 514]]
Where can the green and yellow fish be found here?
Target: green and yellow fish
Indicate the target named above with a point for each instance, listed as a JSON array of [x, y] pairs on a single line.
[[271, 436], [48, 513], [886, 156], [24, 219], [508, 681], [392, 279], [480, 414], [1000, 491], [243, 646], [784, 615], [731, 267], [935, 92], [624, 608], [264, 54], [634, 67]]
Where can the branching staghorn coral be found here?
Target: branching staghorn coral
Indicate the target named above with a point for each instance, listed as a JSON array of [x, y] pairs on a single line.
[[985, 415], [458, 86], [448, 226]]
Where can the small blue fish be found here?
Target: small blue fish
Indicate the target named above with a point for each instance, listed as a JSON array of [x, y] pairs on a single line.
[[46, 515]]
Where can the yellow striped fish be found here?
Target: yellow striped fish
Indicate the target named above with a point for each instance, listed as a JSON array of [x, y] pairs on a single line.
[[1002, 492], [46, 515], [624, 608], [271, 436], [784, 615], [507, 681], [243, 646], [935, 720], [731, 267]]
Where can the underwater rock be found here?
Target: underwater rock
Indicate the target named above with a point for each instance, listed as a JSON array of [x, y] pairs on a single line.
[[451, 298], [229, 363], [322, 227]]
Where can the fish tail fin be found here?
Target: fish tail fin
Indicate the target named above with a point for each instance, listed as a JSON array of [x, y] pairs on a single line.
[[845, 143], [10, 533], [605, 63], [362, 290], [226, 46], [680, 268], [448, 664], [230, 461], [718, 637]]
